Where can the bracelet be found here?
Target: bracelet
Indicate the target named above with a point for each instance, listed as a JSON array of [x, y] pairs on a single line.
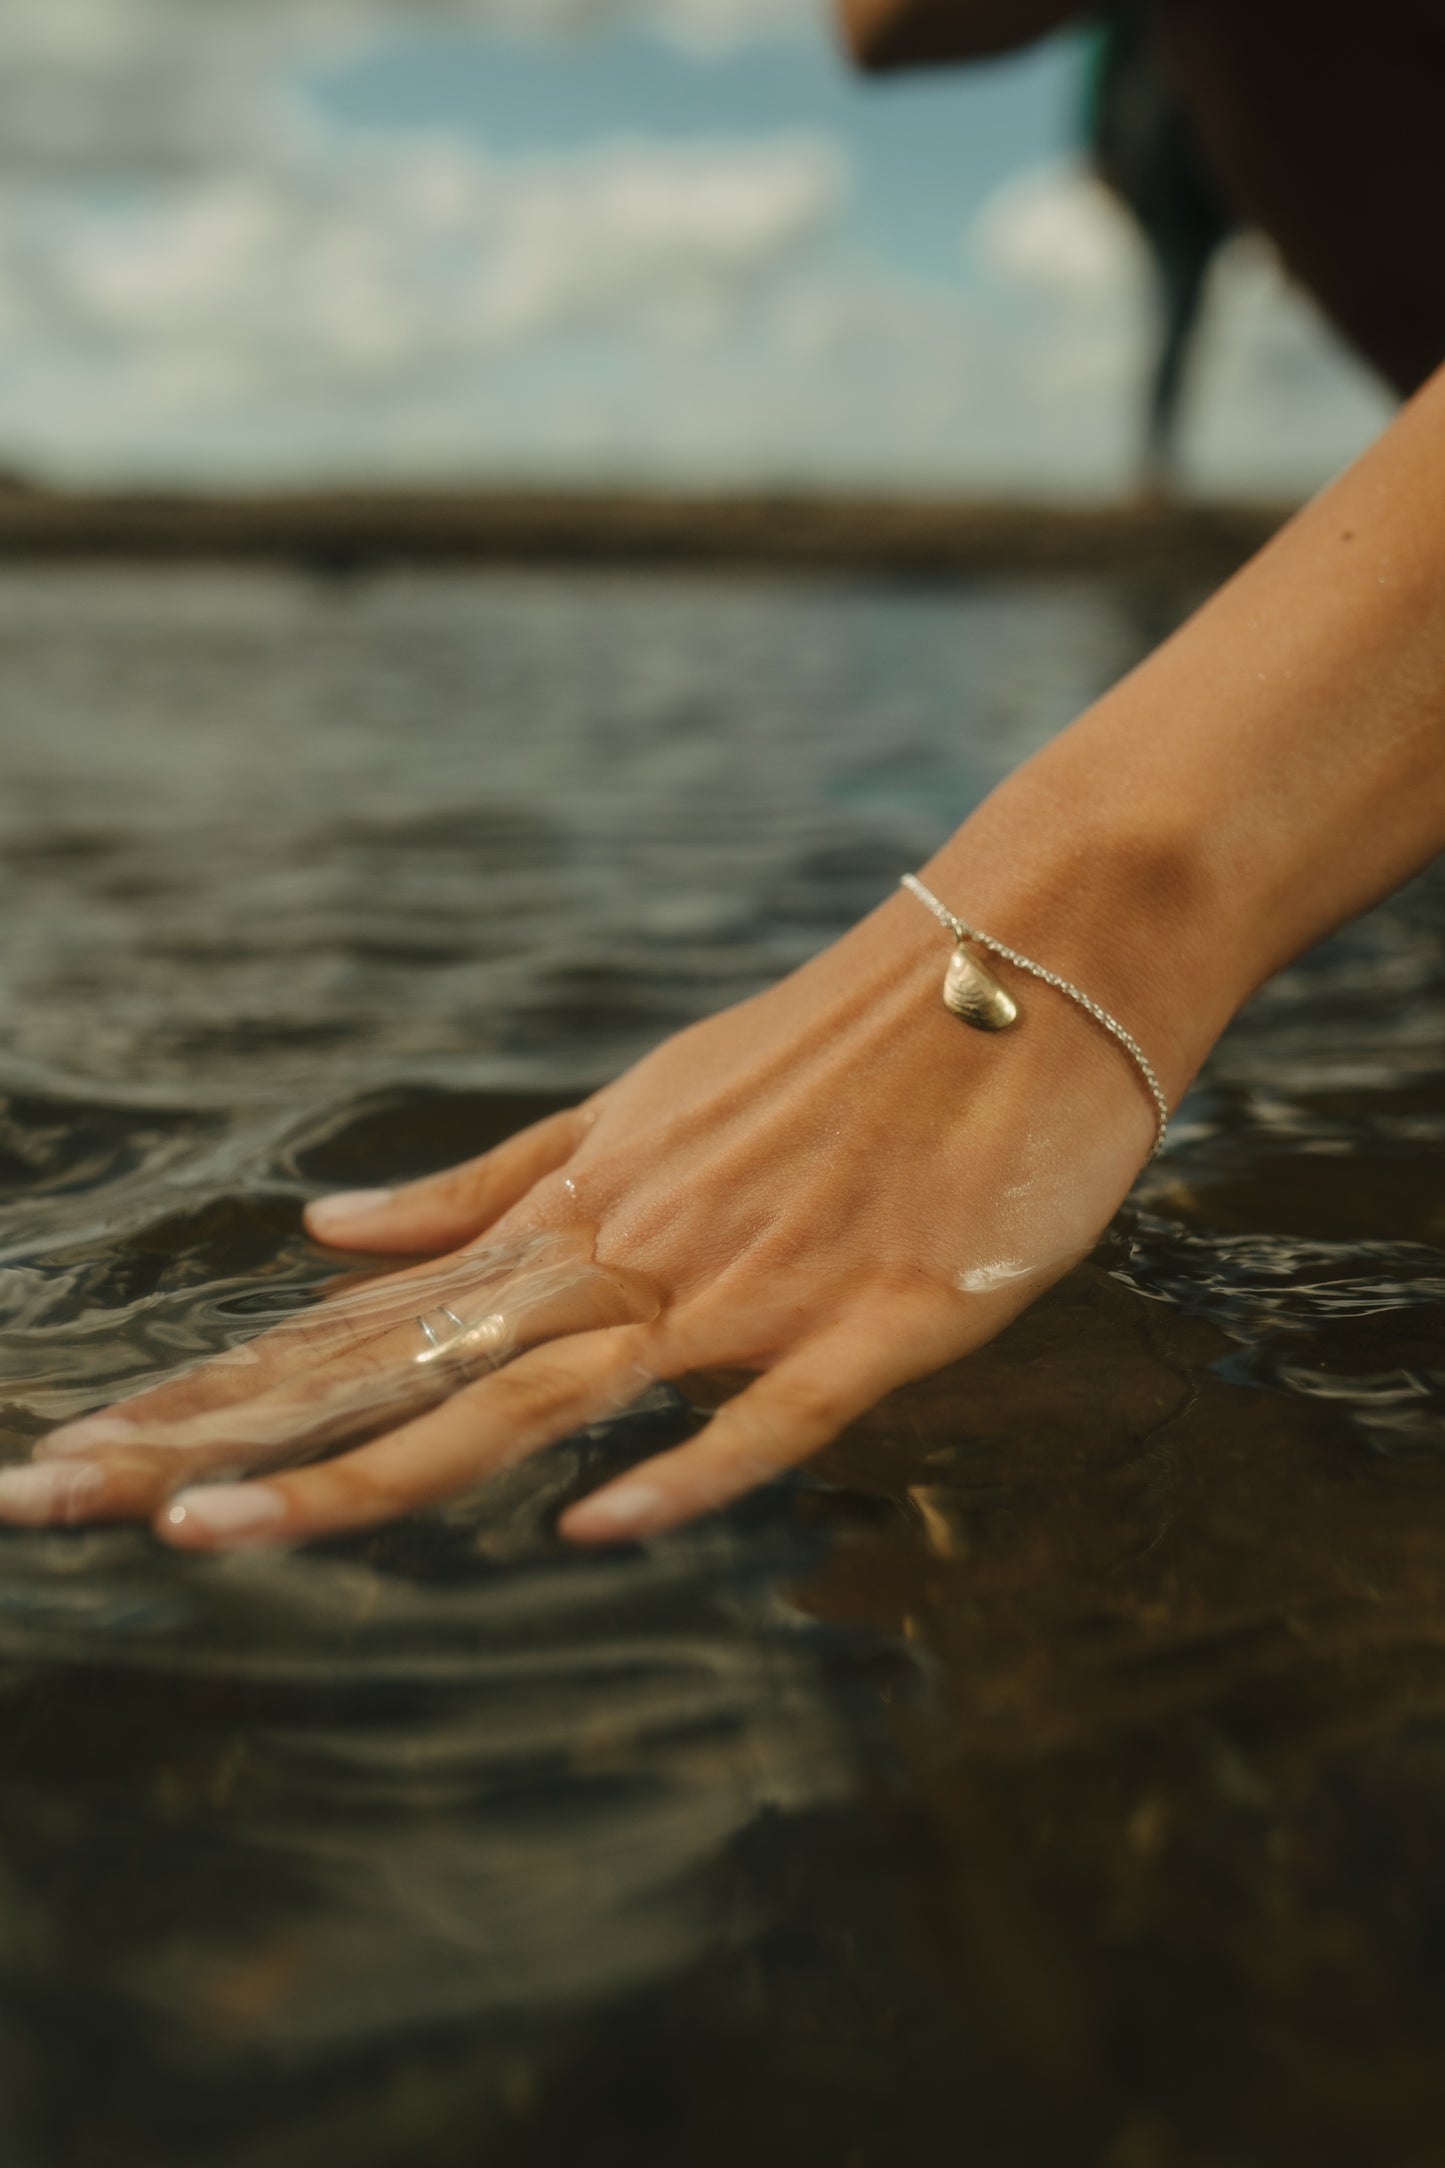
[[976, 995]]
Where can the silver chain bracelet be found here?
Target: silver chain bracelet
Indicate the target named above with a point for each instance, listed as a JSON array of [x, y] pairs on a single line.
[[975, 995]]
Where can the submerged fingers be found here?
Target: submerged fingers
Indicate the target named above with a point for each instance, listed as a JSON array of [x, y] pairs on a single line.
[[772, 1425], [483, 1303], [436, 1214], [402, 1345], [482, 1429], [580, 1341], [335, 1328], [336, 1332]]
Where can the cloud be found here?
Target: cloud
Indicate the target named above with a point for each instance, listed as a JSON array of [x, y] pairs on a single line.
[[129, 88], [373, 271], [706, 24], [1276, 399], [384, 254], [1060, 229], [192, 261]]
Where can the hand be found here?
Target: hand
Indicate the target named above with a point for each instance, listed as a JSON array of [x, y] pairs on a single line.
[[836, 1185]]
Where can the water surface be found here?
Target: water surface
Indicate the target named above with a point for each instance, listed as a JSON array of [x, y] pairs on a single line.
[[1052, 1774]]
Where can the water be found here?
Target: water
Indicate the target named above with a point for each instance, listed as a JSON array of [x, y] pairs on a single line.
[[1052, 1774]]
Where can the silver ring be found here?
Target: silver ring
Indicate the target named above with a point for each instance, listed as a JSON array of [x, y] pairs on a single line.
[[429, 1331], [471, 1348]]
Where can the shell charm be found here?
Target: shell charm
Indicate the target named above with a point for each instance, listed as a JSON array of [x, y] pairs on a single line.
[[975, 994]]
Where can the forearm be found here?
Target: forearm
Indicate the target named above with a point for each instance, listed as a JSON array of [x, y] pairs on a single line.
[[1274, 768]]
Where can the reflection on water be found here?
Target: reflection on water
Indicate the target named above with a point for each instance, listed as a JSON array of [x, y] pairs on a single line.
[[1052, 1775]]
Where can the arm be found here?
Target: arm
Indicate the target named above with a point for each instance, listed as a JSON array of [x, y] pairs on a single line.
[[837, 1185], [1274, 768]]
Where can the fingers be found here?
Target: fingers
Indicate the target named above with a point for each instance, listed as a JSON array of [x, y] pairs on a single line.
[[772, 1425], [614, 1351], [488, 1426], [443, 1210], [345, 1335], [420, 1348], [61, 1493], [794, 1409], [122, 1485]]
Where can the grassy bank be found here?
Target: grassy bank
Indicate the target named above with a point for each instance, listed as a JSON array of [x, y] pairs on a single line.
[[342, 530]]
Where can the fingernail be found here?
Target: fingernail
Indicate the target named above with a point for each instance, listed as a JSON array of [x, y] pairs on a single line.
[[624, 1509], [328, 1214], [50, 1492], [86, 1436], [230, 1512]]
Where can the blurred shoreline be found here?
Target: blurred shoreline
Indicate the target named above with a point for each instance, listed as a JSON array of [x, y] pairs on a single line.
[[342, 530]]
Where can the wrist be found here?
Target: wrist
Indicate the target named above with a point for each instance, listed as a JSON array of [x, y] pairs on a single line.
[[1121, 899]]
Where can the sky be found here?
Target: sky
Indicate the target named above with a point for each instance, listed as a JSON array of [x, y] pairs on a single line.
[[669, 243]]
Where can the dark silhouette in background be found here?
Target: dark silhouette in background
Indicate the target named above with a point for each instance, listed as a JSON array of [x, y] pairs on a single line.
[[1146, 149], [1323, 125]]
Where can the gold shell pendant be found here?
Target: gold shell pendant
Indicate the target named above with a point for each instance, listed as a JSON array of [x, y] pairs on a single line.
[[975, 994]]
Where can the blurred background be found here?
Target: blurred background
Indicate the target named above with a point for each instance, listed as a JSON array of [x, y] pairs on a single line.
[[665, 243]]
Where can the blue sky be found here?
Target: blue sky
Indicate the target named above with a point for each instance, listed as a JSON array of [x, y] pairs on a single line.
[[925, 151], [672, 242]]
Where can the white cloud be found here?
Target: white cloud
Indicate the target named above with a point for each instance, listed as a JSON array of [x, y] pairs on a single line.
[[111, 88], [383, 253], [1281, 395], [660, 238], [702, 23], [191, 261], [1276, 401], [371, 271], [1060, 229]]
